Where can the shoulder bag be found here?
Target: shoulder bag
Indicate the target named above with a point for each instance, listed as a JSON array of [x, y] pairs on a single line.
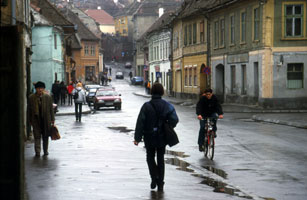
[[170, 135]]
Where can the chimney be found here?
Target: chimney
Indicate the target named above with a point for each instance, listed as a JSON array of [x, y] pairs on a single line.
[[161, 11]]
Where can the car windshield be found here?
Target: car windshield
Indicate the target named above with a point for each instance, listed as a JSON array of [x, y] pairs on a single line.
[[106, 93]]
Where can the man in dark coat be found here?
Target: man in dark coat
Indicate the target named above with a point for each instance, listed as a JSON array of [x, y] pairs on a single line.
[[207, 106], [149, 127], [41, 117]]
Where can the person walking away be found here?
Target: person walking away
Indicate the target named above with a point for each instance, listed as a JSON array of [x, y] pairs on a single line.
[[79, 93], [145, 85], [41, 117], [110, 71], [130, 75], [207, 106], [148, 87], [70, 88], [148, 128], [56, 92], [63, 93]]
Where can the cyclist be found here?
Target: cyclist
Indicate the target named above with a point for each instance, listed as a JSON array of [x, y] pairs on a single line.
[[207, 106]]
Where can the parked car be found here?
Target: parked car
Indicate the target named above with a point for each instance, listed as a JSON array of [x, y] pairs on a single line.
[[128, 65], [137, 80], [107, 98], [90, 94], [87, 87], [119, 75]]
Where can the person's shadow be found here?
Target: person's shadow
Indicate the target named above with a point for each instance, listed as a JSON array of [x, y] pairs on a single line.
[[156, 195]]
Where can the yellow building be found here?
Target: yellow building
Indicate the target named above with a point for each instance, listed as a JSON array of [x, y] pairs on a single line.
[[189, 56]]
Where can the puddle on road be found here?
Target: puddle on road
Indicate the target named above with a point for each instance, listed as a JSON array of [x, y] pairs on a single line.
[[222, 187], [121, 129], [218, 186], [183, 166], [219, 172], [176, 153]]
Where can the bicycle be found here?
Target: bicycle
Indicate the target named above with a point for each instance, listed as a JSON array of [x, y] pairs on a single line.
[[209, 142]]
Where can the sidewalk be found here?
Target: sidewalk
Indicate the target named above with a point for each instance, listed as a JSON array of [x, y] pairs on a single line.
[[295, 118], [70, 110]]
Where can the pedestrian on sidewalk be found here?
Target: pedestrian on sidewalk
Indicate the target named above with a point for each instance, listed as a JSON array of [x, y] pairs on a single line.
[[70, 88], [63, 92], [41, 117], [148, 127], [79, 96]]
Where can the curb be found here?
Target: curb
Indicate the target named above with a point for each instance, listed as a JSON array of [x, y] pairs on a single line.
[[72, 113], [275, 121]]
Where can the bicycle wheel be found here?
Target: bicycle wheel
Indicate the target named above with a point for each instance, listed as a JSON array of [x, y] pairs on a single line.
[[210, 147]]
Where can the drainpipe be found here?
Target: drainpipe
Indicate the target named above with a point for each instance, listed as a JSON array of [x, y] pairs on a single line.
[[208, 49], [13, 9]]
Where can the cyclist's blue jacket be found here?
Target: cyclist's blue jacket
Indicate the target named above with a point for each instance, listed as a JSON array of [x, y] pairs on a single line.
[[147, 121], [206, 107]]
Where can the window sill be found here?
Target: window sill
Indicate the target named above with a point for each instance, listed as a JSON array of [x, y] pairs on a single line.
[[242, 43], [293, 38]]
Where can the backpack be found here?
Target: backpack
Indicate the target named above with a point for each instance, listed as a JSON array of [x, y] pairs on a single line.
[[76, 95]]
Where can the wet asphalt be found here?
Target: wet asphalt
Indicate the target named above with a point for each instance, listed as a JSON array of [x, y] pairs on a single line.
[[96, 159]]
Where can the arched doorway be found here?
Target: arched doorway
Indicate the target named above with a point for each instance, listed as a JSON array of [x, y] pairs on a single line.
[[220, 82]]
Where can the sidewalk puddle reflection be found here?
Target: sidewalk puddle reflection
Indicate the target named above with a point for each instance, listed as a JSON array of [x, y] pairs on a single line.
[[121, 129], [180, 163], [219, 172], [221, 187], [218, 186], [176, 153]]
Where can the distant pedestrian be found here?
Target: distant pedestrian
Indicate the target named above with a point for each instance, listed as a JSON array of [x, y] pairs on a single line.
[[149, 127], [63, 93], [79, 96], [56, 91], [41, 117], [70, 88], [148, 87], [110, 71], [145, 85], [130, 75]]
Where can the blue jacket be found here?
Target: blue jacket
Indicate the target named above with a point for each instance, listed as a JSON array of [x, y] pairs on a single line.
[[147, 121]]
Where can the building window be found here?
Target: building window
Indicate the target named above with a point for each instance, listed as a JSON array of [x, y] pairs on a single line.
[[85, 50], [295, 76], [185, 35], [294, 20], [232, 29], [202, 31], [93, 53], [190, 77], [216, 34], [89, 73], [194, 33], [195, 76], [233, 78], [243, 27], [256, 23], [190, 34], [244, 79], [222, 33], [185, 77]]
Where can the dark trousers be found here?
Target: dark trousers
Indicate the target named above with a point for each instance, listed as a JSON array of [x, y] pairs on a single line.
[[78, 111], [202, 123], [69, 99], [38, 136], [156, 170], [63, 99]]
